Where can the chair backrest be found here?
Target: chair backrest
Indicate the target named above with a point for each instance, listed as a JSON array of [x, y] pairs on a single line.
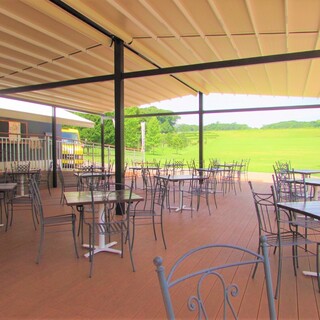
[[60, 175], [37, 176], [298, 188], [281, 188], [114, 201], [266, 211], [36, 199], [21, 167], [49, 170], [197, 280], [92, 178], [160, 192]]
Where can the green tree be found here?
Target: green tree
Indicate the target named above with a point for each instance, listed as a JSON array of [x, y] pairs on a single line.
[[94, 134], [178, 142], [132, 129], [170, 119], [166, 127], [153, 134]]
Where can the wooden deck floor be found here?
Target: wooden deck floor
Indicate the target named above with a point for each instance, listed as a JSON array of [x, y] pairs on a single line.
[[59, 287]]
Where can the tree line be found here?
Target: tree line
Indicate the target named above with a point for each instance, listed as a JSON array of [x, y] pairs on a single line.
[[161, 131]]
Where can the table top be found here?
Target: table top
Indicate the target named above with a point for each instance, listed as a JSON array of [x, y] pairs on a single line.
[[84, 197], [307, 208], [31, 171], [209, 169], [7, 186], [146, 167], [181, 177], [95, 174], [308, 181], [306, 171], [312, 181]]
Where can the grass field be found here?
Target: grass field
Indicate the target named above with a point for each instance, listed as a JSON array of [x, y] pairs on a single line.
[[262, 147]]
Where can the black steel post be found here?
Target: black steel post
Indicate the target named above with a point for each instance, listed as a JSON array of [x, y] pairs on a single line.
[[54, 147], [102, 141], [119, 109], [200, 129]]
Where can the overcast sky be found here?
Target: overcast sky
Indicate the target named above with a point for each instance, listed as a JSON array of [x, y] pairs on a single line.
[[229, 101]]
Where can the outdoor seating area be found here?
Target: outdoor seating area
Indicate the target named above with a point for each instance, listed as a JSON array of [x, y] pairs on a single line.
[[61, 280], [97, 98]]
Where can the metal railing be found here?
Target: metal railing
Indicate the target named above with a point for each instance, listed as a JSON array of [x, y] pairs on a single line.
[[71, 155]]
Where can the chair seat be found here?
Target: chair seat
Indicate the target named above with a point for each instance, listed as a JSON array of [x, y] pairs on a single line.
[[288, 239], [144, 213], [308, 223], [25, 199], [60, 219]]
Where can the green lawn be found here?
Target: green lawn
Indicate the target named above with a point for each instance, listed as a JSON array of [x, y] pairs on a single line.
[[262, 147]]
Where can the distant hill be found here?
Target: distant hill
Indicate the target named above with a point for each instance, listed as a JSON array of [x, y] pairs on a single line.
[[236, 126], [212, 127], [292, 124]]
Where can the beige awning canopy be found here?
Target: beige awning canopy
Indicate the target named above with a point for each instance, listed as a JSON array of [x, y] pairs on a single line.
[[45, 41]]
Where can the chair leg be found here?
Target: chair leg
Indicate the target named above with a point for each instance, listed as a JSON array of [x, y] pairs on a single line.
[[7, 211], [81, 220], [318, 265], [130, 248], [208, 203], [1, 211], [11, 216], [215, 200], [295, 259], [74, 238], [256, 266], [40, 244], [34, 217], [162, 232], [48, 186], [279, 273], [91, 251], [133, 231], [154, 228]]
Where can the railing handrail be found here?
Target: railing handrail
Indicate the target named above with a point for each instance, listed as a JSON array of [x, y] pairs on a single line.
[[38, 150]]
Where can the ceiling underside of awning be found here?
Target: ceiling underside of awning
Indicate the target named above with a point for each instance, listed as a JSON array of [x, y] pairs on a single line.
[[40, 43]]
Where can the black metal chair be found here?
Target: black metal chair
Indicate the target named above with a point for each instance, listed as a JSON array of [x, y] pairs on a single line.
[[66, 184], [276, 225], [21, 198], [150, 212], [114, 221], [54, 223]]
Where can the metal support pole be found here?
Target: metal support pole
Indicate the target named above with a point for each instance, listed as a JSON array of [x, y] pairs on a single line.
[[200, 129], [54, 147], [119, 109], [102, 141]]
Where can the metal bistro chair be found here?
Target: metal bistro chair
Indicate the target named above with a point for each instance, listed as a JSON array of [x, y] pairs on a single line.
[[195, 189], [70, 184], [56, 223], [296, 190], [151, 211], [20, 173], [276, 225], [199, 289], [113, 222], [24, 200]]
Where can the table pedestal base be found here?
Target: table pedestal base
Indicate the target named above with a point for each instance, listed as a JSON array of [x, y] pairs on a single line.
[[309, 273], [106, 248]]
